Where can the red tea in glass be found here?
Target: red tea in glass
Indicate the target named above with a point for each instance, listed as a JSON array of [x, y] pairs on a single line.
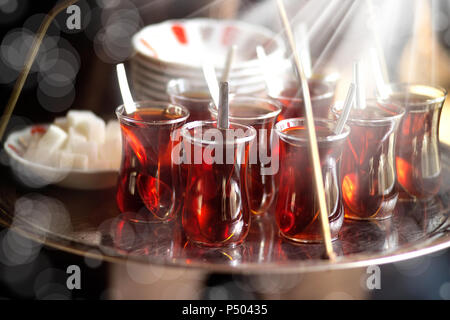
[[368, 168], [289, 94], [193, 96], [260, 114], [297, 210], [148, 180], [216, 208], [417, 152]]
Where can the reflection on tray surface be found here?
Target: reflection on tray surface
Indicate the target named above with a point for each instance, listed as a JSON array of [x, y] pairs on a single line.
[[61, 216]]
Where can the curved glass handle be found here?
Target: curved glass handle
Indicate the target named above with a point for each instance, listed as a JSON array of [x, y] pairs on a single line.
[[331, 184]]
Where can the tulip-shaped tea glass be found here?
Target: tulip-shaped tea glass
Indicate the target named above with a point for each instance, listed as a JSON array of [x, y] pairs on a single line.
[[368, 163], [297, 209], [417, 152], [216, 208], [289, 93], [194, 96], [149, 181], [260, 114]]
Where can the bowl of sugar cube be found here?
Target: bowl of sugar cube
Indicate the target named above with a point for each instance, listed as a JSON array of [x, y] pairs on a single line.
[[78, 151]]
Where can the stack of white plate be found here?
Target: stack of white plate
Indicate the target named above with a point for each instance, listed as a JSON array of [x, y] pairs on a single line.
[[176, 49]]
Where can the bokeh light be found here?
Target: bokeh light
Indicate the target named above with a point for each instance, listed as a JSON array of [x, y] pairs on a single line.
[[14, 48], [11, 10], [17, 250], [33, 23], [413, 267], [19, 277], [56, 90], [44, 213], [93, 262], [140, 274], [50, 284], [444, 291], [218, 293], [112, 41], [264, 284], [108, 4]]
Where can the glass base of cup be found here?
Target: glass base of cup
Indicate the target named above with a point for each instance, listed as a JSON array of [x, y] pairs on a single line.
[[145, 218], [260, 214], [216, 245], [304, 240], [262, 209], [386, 210], [407, 197], [357, 218]]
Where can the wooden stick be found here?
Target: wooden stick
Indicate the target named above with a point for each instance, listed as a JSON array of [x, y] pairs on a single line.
[[313, 147], [20, 82]]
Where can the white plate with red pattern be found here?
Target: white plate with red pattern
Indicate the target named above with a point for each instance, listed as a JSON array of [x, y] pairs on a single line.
[[184, 44]]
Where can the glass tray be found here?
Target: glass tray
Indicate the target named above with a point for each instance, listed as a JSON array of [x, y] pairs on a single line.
[[88, 223]]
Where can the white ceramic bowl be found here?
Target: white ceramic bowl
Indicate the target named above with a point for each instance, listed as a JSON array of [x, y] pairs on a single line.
[[37, 175]]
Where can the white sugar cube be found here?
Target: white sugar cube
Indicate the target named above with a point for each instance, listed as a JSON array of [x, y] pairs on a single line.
[[81, 140], [76, 116], [69, 160], [115, 152], [80, 161], [31, 146], [110, 154], [92, 128], [112, 148], [88, 148], [66, 160], [62, 123], [53, 159], [113, 129], [46, 156], [97, 131], [74, 139], [53, 139], [82, 121], [100, 164]]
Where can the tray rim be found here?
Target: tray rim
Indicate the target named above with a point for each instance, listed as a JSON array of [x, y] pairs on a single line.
[[81, 248]]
